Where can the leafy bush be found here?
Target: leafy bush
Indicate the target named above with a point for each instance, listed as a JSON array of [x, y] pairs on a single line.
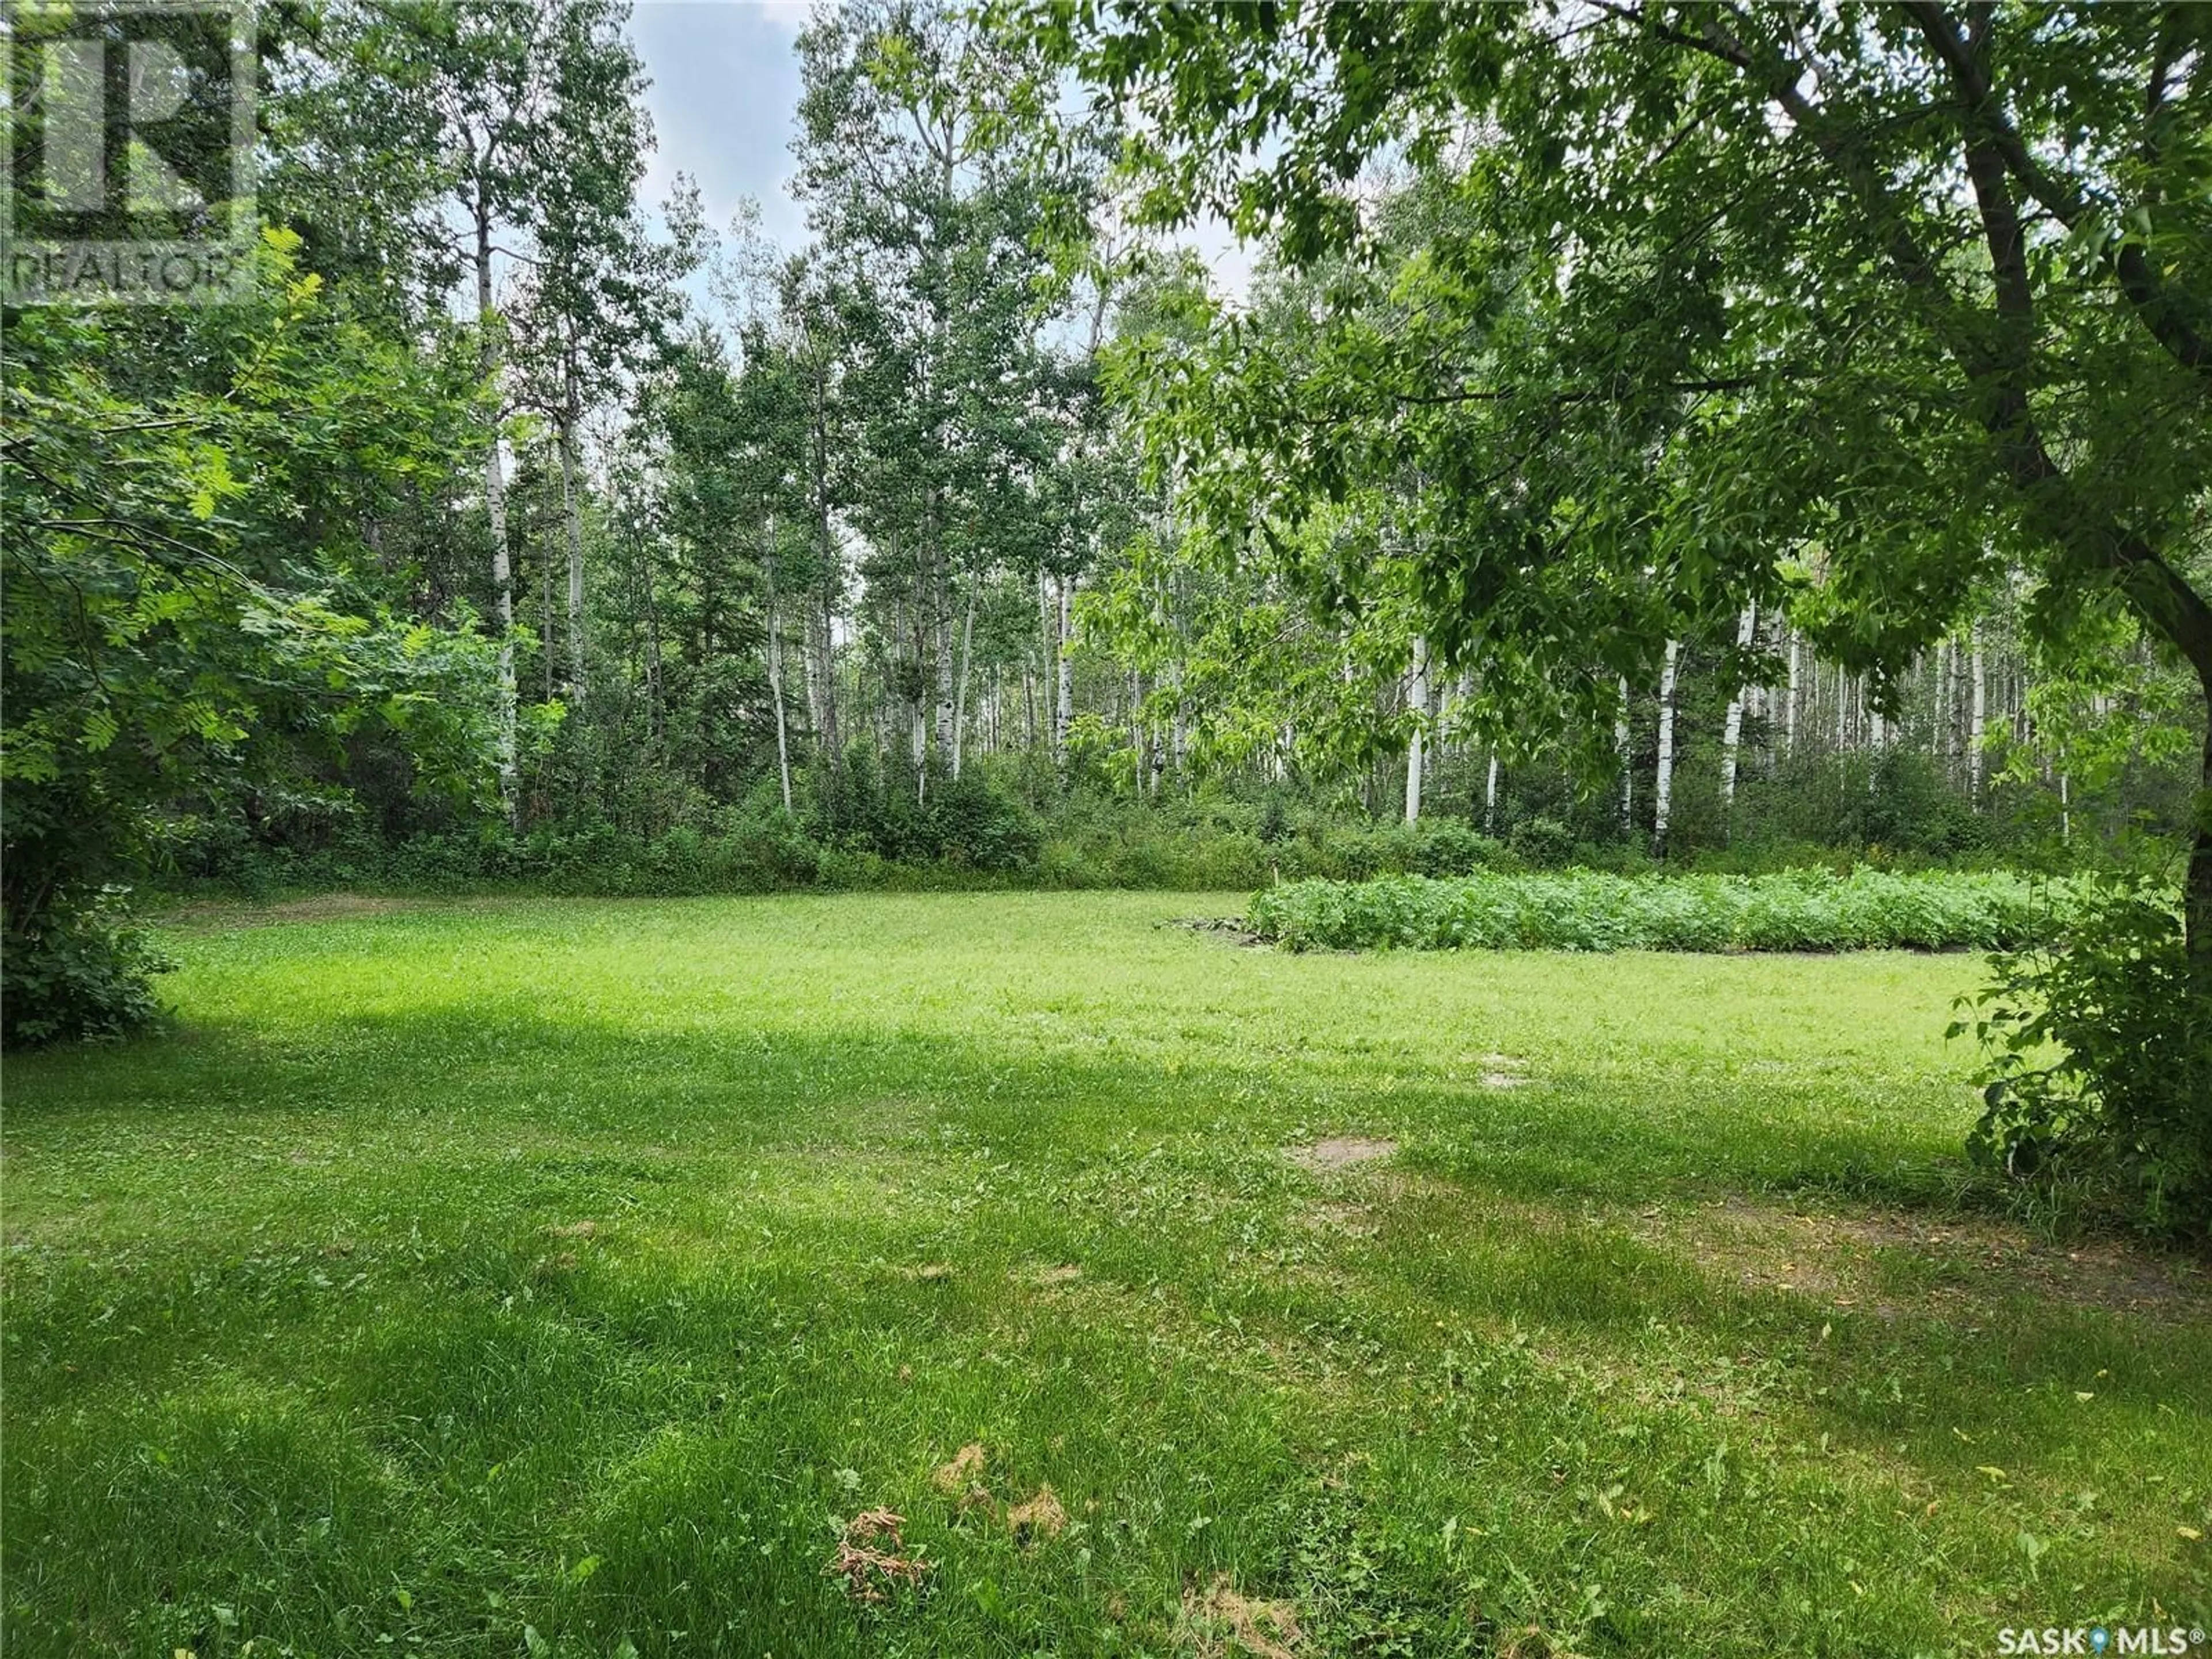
[[1583, 910], [1544, 843], [971, 823], [2098, 1066], [84, 972], [1448, 848]]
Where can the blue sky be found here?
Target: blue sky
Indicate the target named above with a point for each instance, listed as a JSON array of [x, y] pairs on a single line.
[[724, 95], [724, 98]]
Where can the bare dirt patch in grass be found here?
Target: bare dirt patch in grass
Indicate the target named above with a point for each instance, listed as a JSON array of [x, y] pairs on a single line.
[[1047, 1276], [1217, 1622], [872, 1559], [1503, 1072], [1038, 1519], [1342, 1152], [1881, 1261], [965, 1469], [1356, 1220], [961, 1479]]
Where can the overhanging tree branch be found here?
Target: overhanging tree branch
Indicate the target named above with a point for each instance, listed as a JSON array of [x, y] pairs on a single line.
[[2160, 310]]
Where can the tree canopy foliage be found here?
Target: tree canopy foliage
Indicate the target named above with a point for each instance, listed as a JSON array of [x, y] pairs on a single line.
[[1645, 310]]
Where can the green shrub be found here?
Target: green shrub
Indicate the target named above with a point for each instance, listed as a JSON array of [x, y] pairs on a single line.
[[2097, 1076], [81, 969], [1585, 911], [1545, 843], [971, 823], [1448, 848]]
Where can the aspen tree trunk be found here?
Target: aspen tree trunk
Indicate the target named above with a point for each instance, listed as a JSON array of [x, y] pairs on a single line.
[[1620, 742], [657, 714], [824, 619], [1732, 728], [1140, 758], [1977, 715], [1790, 714], [572, 510], [1179, 736], [1776, 625], [827, 735], [940, 641], [1489, 795], [810, 674], [960, 680], [1662, 792], [916, 642], [1063, 714], [545, 621], [1040, 711], [502, 571], [1418, 695], [1940, 739], [1877, 738], [775, 667]]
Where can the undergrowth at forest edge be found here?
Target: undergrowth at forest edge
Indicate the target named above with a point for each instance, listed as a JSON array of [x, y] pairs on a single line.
[[1586, 910]]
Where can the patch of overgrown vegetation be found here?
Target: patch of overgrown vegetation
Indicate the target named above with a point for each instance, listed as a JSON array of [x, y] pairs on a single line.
[[2098, 1079], [1590, 910]]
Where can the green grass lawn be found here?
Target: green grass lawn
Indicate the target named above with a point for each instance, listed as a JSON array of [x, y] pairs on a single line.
[[524, 1277]]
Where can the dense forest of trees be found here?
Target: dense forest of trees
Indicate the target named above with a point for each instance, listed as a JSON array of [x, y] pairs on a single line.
[[512, 510]]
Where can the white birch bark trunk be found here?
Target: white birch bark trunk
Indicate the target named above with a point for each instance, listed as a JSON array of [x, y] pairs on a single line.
[[1620, 747], [1489, 795], [1662, 791], [1940, 739], [822, 617], [1063, 713], [572, 509], [1732, 728], [502, 569], [941, 652], [810, 674], [775, 669], [1140, 760], [917, 632], [1790, 714], [960, 679], [1179, 737], [1417, 694], [828, 737], [1977, 714]]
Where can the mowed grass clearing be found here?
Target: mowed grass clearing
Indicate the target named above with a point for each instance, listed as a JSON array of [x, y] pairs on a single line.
[[566, 1277]]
